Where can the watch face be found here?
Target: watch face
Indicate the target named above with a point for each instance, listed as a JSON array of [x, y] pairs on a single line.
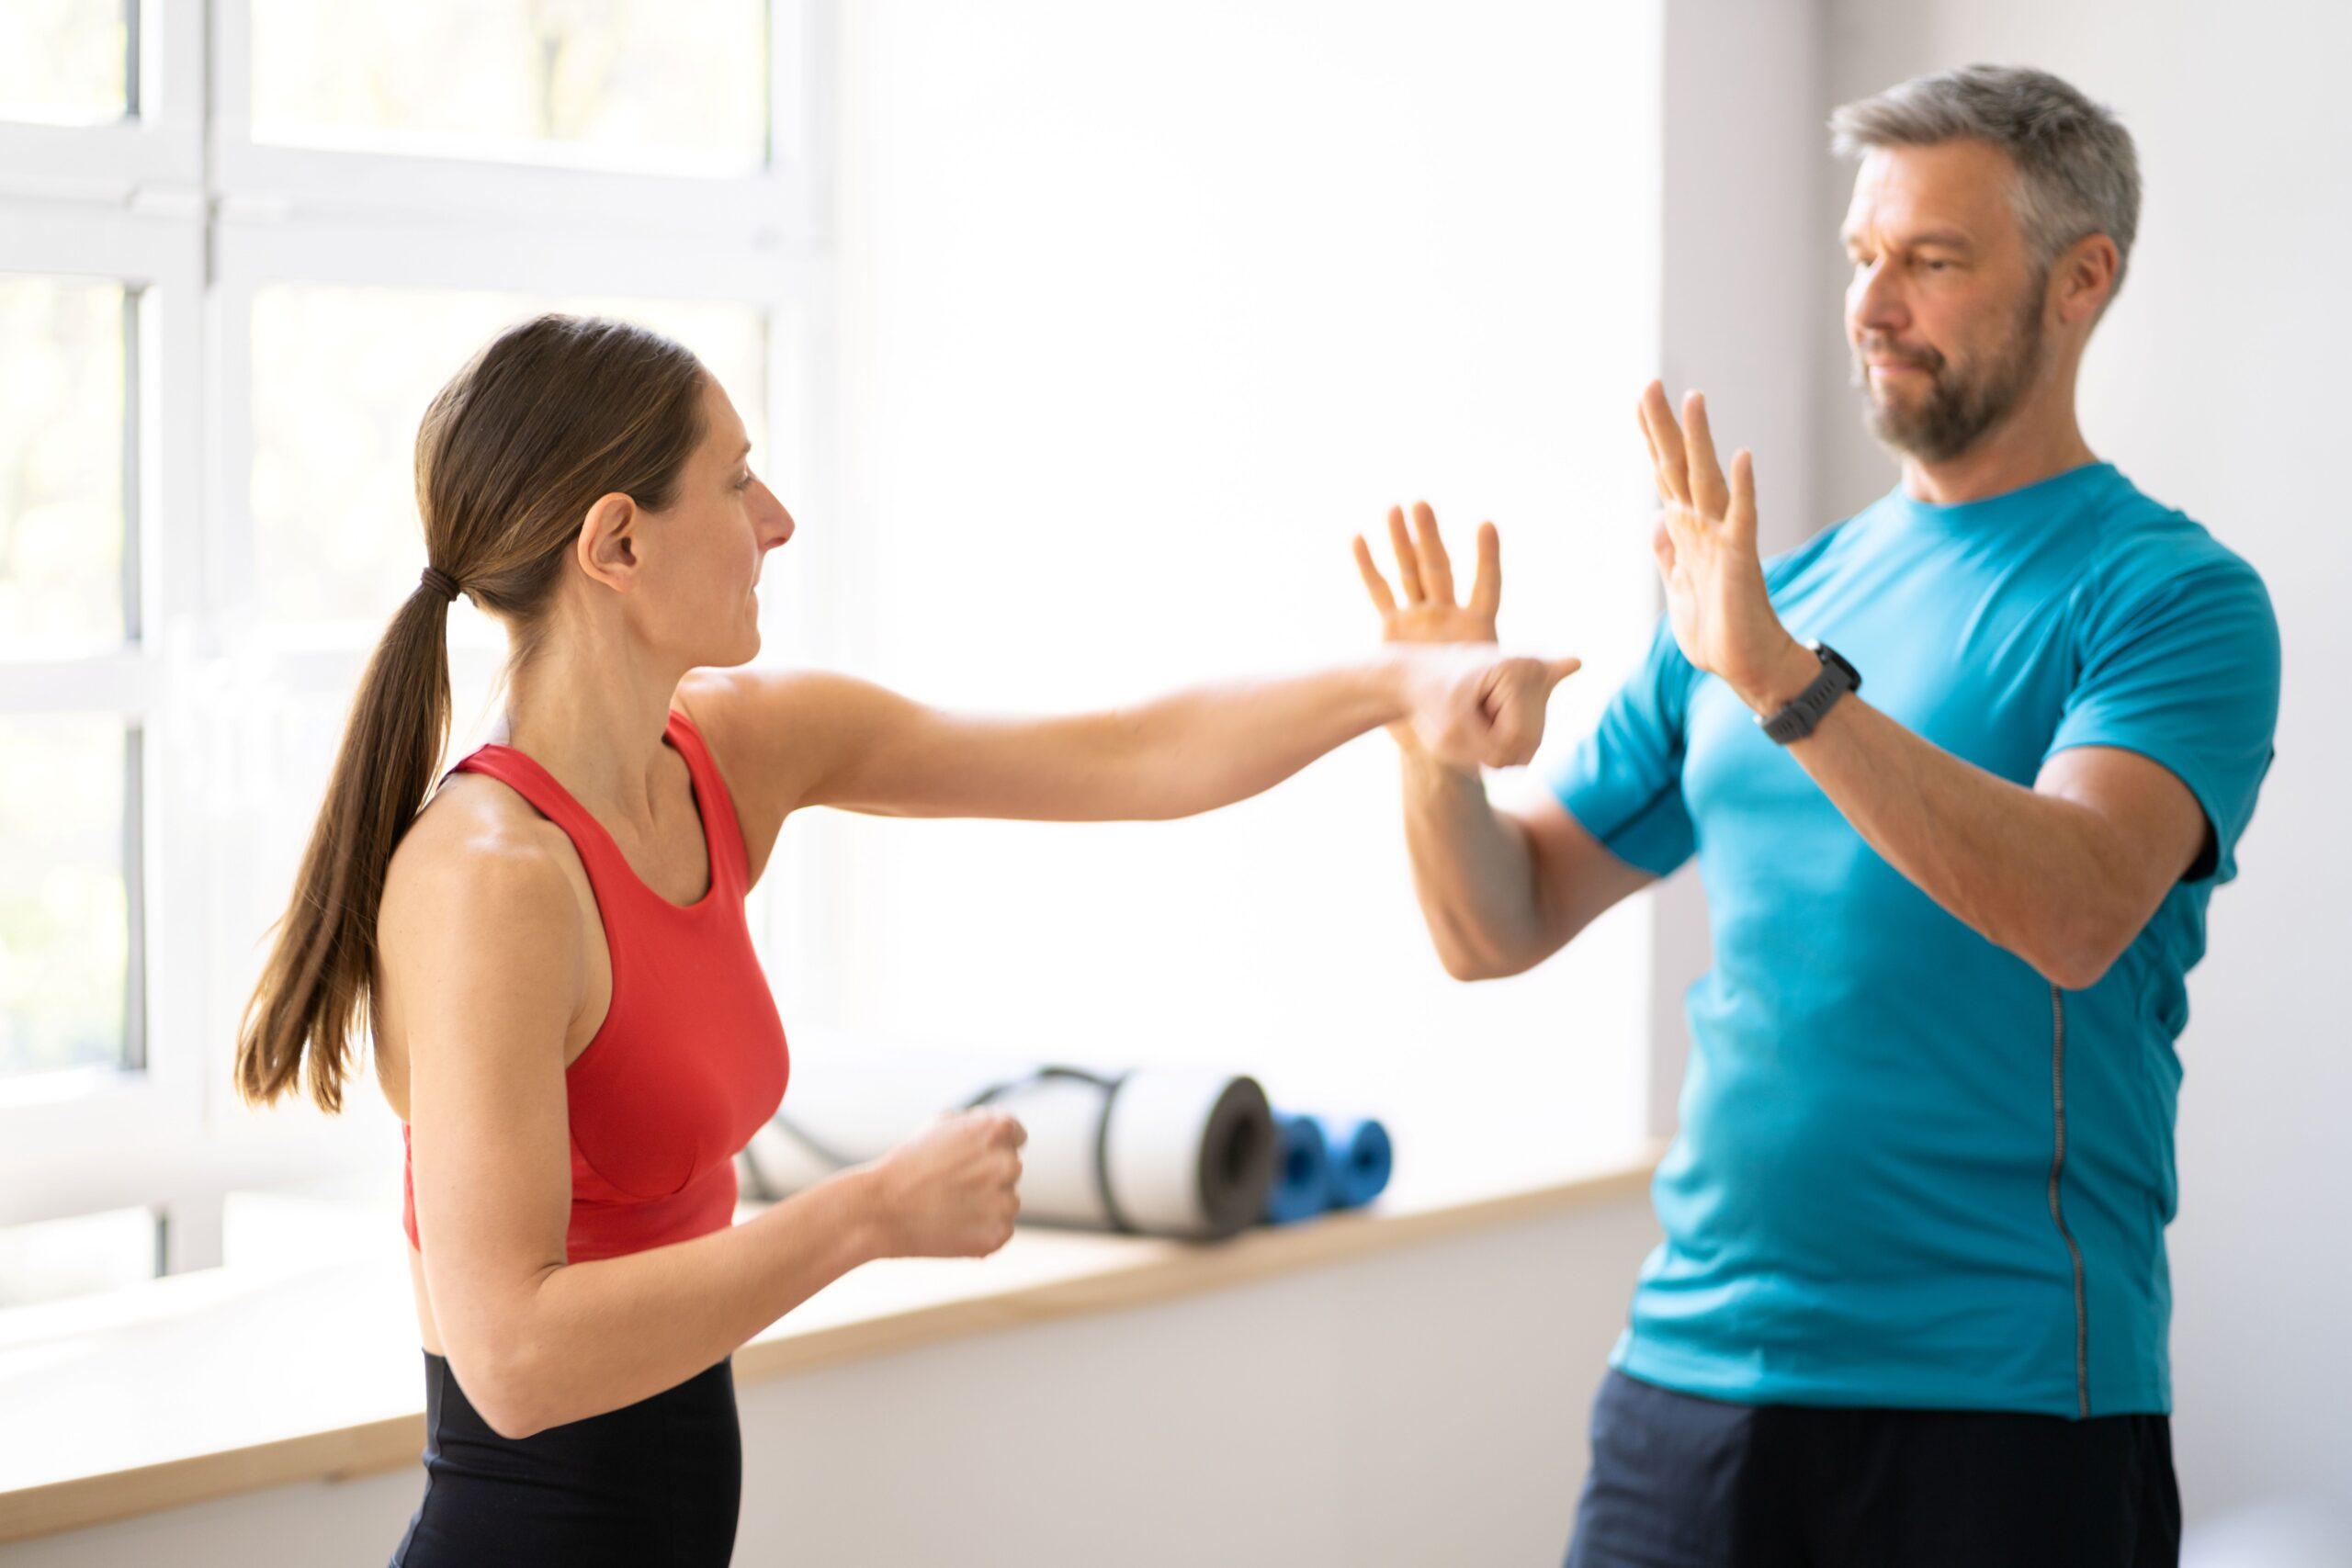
[[1831, 656]]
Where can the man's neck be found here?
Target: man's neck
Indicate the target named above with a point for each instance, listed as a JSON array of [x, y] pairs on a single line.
[[2038, 439]]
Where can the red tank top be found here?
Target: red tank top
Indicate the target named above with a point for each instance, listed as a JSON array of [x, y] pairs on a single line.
[[690, 1060]]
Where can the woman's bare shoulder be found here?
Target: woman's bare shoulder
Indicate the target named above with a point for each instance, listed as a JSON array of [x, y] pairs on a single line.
[[773, 732], [479, 865]]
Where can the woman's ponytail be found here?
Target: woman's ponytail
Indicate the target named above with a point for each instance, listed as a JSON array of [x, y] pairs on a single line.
[[319, 971]]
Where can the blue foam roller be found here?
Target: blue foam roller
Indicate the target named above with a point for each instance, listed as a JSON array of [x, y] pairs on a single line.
[[1361, 1159], [1302, 1183]]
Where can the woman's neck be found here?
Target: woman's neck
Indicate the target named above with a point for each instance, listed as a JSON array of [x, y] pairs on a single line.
[[594, 716]]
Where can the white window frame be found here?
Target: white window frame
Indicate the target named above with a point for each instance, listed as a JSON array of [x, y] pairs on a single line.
[[183, 203]]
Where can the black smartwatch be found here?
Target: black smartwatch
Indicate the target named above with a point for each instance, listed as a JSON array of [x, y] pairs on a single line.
[[1797, 721]]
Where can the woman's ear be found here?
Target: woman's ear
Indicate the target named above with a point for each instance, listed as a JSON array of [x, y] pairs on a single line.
[[606, 549]]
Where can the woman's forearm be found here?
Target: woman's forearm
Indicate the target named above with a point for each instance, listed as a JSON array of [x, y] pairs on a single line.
[[1208, 746], [597, 1335]]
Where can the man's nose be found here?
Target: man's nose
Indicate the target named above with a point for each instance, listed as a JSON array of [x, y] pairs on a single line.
[[1875, 301]]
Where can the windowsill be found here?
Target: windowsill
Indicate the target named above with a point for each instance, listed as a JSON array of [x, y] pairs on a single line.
[[243, 1351]]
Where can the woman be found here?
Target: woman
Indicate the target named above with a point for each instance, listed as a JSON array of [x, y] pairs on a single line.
[[567, 1013]]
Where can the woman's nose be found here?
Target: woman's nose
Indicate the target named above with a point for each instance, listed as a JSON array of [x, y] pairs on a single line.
[[781, 530]]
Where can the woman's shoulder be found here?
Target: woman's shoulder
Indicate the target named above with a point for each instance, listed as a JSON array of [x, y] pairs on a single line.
[[774, 733], [479, 859]]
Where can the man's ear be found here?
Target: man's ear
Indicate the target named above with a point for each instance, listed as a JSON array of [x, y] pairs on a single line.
[[2084, 276], [606, 547]]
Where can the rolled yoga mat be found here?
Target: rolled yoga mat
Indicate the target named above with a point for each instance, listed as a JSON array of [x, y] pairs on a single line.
[[1161, 1151], [1302, 1184], [1361, 1158]]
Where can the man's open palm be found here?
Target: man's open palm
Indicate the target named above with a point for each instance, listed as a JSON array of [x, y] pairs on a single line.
[[1426, 610]]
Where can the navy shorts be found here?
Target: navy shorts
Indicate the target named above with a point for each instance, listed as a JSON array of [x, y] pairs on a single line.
[[1679, 1481]]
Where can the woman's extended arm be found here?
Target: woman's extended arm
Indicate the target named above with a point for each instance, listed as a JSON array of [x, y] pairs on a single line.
[[850, 743]]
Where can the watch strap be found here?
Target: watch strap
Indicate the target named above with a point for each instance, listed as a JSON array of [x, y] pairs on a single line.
[[1797, 719]]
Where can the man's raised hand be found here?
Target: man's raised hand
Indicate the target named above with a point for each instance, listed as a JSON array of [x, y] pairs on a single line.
[[1426, 610], [1705, 547]]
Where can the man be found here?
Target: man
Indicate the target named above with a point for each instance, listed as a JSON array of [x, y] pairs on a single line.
[[1912, 1301]]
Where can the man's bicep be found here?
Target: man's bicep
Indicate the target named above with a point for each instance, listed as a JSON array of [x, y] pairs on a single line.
[[2180, 673], [2156, 831]]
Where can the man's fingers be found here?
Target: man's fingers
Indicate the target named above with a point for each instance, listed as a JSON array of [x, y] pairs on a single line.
[[1707, 489], [1662, 552], [1437, 567], [1679, 526], [1657, 469], [1487, 588], [1373, 584], [1739, 512], [1666, 443], [1558, 670], [1408, 569]]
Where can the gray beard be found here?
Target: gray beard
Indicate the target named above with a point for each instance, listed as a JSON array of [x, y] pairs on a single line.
[[1958, 412]]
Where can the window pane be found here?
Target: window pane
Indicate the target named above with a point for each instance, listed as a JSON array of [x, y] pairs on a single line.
[[64, 438], [54, 1258], [667, 86], [341, 380], [65, 897], [65, 60]]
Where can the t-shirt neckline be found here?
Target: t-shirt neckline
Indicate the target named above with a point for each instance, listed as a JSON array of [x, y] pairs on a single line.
[[1992, 512]]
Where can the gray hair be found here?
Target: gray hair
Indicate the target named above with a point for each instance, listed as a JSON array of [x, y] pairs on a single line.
[[2077, 173]]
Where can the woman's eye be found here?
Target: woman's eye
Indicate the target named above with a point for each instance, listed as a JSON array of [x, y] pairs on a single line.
[[744, 483]]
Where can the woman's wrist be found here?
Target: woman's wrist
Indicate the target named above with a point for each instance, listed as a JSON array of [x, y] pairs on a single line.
[[1401, 671], [867, 1215]]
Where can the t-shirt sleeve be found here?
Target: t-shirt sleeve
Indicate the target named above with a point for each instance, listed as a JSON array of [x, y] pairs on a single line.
[[2181, 666], [1623, 784]]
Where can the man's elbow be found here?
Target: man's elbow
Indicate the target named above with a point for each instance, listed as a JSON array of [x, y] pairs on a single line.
[[1465, 965], [2078, 957], [2074, 973], [1470, 962]]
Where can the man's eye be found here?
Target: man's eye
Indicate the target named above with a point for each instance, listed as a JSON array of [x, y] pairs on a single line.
[[744, 483]]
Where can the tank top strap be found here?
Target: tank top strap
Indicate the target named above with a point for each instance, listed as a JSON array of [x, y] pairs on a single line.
[[719, 821], [601, 856]]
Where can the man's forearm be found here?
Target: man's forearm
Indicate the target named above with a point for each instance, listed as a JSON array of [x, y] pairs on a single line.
[[2029, 872], [1474, 870]]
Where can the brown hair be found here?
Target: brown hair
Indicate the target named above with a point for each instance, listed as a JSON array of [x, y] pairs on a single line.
[[555, 412]]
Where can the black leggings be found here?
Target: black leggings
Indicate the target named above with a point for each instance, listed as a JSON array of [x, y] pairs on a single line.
[[659, 1481]]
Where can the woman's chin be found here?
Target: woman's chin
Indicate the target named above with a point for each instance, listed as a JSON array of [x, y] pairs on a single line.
[[741, 648]]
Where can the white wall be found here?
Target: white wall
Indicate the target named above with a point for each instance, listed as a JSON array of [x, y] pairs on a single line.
[[1740, 165], [2216, 383], [1418, 1407], [1146, 309]]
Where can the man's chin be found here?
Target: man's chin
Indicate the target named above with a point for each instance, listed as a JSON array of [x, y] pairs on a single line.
[[1896, 426]]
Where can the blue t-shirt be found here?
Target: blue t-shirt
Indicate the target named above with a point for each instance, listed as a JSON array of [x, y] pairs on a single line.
[[1910, 1170]]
